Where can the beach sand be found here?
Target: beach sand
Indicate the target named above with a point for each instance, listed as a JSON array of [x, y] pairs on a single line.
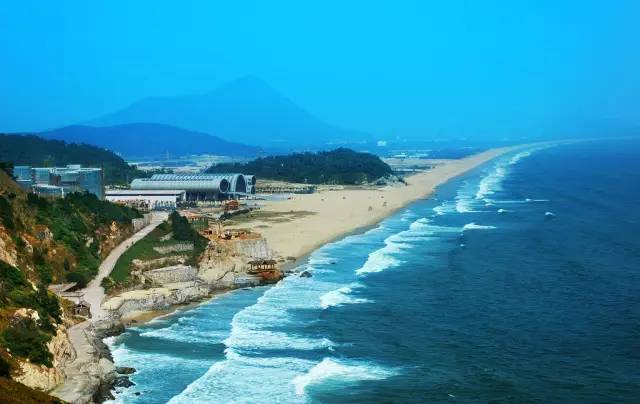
[[295, 227]]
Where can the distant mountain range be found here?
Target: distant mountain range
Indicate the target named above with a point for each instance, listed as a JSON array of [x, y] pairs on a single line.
[[246, 110], [150, 139]]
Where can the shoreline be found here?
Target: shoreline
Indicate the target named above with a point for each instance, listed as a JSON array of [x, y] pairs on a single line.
[[430, 180], [141, 317], [298, 237], [332, 214]]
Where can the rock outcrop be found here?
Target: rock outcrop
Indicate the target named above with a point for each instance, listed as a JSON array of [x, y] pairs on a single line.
[[41, 377], [224, 262], [172, 274], [91, 370], [162, 298]]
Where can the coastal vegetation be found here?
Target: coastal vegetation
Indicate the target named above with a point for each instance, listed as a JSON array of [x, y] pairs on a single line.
[[15, 393], [35, 151], [45, 241], [176, 230], [340, 167]]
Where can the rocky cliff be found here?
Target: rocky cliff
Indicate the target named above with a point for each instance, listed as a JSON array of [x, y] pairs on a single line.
[[45, 378], [225, 261]]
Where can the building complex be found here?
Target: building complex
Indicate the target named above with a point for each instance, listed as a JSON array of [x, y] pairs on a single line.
[[59, 181], [168, 190]]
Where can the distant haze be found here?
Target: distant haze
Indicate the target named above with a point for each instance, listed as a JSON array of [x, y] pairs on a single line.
[[245, 110], [402, 70]]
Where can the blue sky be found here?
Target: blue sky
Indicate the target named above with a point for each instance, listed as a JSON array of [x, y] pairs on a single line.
[[412, 69]]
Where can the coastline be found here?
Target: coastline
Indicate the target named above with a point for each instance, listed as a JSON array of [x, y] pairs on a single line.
[[326, 216], [296, 238], [305, 223]]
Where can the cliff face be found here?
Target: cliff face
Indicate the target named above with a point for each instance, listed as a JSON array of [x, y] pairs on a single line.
[[162, 298], [45, 378], [223, 262], [45, 241]]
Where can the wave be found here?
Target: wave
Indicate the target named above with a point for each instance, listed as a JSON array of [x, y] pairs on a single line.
[[464, 204], [385, 257], [340, 297], [473, 226], [491, 183], [332, 369], [180, 334], [243, 379]]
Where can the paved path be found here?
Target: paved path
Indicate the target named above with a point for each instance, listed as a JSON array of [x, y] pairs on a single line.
[[81, 375], [94, 293]]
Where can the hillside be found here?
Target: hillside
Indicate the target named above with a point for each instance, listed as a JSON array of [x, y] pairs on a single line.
[[150, 139], [340, 166], [35, 151], [42, 242], [246, 110]]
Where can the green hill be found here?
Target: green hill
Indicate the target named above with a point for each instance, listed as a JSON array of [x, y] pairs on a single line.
[[35, 151], [44, 241], [340, 166]]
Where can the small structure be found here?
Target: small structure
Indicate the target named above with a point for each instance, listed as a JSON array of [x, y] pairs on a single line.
[[82, 308], [262, 265], [231, 204]]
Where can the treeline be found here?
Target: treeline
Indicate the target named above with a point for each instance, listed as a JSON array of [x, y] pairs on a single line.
[[32, 150], [341, 166]]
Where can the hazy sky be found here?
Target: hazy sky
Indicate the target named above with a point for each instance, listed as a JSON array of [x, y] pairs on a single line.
[[416, 69]]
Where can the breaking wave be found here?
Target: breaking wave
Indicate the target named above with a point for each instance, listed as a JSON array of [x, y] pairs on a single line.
[[342, 372], [340, 297], [473, 226]]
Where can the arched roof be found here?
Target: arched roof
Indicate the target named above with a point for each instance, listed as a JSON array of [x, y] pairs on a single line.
[[211, 184]]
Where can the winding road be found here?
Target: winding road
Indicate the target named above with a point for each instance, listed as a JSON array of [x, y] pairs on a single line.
[[94, 292]]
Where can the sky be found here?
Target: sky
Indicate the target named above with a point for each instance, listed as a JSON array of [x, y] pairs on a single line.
[[395, 69]]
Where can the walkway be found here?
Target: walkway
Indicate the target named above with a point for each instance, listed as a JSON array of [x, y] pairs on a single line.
[[94, 292]]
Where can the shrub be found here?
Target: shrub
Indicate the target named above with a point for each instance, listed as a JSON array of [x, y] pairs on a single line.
[[5, 368], [24, 339], [6, 214], [80, 277]]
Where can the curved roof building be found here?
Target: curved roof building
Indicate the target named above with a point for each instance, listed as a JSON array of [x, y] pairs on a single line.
[[238, 183], [197, 188]]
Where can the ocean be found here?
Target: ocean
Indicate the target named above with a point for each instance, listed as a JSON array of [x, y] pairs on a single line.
[[518, 282]]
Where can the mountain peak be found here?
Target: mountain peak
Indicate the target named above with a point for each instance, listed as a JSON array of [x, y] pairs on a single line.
[[246, 110]]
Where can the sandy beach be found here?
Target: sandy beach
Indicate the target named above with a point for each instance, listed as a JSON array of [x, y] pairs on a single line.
[[308, 221]]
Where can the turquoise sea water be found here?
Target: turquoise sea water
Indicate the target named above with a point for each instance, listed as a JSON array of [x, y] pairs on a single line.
[[519, 282]]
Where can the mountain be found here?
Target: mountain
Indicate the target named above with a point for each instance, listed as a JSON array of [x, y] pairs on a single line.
[[246, 110], [32, 150], [150, 139]]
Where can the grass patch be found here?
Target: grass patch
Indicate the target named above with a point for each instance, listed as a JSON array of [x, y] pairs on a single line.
[[142, 250]]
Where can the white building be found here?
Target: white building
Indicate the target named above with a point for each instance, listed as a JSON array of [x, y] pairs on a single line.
[[152, 199]]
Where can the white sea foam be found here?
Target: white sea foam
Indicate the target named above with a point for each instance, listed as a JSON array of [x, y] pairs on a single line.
[[343, 372], [492, 183], [473, 226], [443, 209], [340, 297], [464, 203], [180, 334], [420, 224], [242, 379]]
